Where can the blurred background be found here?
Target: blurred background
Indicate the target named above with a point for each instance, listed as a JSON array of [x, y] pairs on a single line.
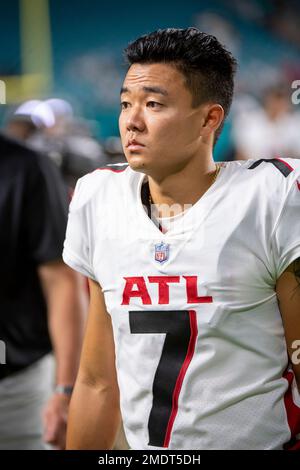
[[61, 68]]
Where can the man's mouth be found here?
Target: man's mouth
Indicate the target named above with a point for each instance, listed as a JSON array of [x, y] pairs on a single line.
[[134, 145]]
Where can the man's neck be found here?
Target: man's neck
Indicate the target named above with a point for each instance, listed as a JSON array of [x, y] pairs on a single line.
[[183, 188]]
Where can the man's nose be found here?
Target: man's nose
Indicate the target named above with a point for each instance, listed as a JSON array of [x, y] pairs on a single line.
[[135, 120]]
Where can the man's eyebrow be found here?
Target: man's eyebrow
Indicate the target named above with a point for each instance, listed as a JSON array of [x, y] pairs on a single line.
[[148, 89]]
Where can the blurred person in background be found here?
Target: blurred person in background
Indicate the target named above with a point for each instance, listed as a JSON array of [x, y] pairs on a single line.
[[269, 131], [50, 127], [42, 302]]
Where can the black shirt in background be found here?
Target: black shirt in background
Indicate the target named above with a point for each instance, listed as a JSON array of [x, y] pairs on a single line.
[[33, 217]]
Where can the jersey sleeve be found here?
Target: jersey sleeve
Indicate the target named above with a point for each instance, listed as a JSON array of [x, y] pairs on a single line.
[[77, 249], [286, 234]]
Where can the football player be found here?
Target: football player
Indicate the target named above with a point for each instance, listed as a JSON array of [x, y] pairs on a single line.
[[194, 327]]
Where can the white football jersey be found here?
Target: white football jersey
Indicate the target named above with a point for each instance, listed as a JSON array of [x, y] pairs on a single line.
[[200, 349]]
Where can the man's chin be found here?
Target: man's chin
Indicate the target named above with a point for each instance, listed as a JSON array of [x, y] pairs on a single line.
[[137, 163]]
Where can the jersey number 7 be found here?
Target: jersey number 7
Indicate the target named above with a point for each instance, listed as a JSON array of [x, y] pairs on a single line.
[[180, 327]]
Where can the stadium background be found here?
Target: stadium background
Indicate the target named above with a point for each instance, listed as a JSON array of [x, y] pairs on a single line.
[[73, 51]]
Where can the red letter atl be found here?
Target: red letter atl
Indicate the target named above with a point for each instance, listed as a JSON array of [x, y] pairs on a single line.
[[136, 287]]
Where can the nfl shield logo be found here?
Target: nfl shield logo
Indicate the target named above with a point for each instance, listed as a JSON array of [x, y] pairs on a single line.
[[162, 252]]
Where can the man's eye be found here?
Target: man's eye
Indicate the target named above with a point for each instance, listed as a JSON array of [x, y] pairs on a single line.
[[153, 104], [124, 105]]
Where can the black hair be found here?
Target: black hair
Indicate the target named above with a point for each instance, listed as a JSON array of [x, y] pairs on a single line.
[[208, 67]]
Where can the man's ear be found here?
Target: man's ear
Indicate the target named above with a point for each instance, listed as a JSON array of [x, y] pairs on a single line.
[[213, 118]]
